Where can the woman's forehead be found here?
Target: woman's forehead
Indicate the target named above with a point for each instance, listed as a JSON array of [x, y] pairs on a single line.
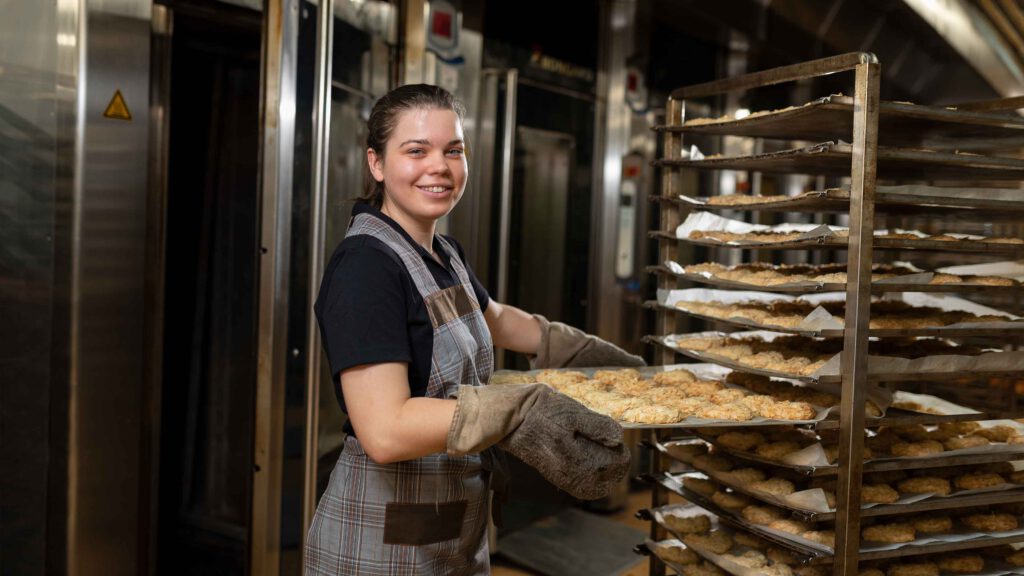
[[427, 124]]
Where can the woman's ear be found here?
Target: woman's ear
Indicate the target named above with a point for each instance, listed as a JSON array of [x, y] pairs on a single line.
[[376, 164]]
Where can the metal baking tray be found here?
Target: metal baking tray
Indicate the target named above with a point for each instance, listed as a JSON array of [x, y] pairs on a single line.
[[880, 465], [815, 555], [950, 202], [839, 332], [1015, 494], [841, 243], [834, 159], [876, 287], [830, 379], [898, 124]]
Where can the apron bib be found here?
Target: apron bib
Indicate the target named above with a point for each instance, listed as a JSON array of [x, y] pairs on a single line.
[[422, 516]]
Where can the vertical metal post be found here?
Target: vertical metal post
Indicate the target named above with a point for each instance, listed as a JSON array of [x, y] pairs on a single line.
[[317, 228], [508, 148], [414, 41], [858, 301], [277, 134], [669, 219]]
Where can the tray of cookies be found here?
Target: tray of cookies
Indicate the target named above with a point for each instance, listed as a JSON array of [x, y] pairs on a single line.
[[809, 278], [690, 395], [707, 229], [734, 551], [882, 493], [886, 448], [814, 360], [823, 315], [1007, 202], [924, 533]]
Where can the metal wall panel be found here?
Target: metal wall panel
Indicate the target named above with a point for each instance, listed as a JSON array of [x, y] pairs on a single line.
[[107, 290]]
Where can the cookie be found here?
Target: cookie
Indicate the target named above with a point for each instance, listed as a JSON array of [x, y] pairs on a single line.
[[889, 533], [701, 486], [651, 414], [933, 524], [914, 569], [687, 524], [670, 377], [730, 501], [789, 526], [993, 522], [916, 449], [960, 443], [978, 481], [761, 515], [878, 494], [962, 563], [774, 486], [925, 485]]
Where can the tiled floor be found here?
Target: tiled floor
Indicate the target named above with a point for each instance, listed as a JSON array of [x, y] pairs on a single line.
[[637, 500]]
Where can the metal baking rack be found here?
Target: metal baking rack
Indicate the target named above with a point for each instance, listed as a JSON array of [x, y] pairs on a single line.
[[906, 124], [814, 287], [835, 242], [931, 137], [813, 554], [945, 201], [939, 332]]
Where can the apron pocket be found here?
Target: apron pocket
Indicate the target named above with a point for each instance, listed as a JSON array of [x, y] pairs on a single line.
[[421, 524]]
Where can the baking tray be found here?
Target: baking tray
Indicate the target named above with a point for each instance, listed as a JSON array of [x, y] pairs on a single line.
[[898, 124], [1012, 494], [817, 555], [878, 465], [831, 242], [835, 159], [812, 287], [941, 332], [910, 376], [1004, 204]]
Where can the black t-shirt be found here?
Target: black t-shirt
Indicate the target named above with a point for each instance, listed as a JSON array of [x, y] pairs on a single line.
[[370, 311]]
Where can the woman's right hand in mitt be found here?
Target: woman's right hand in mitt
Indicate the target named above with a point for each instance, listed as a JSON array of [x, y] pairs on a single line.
[[576, 449]]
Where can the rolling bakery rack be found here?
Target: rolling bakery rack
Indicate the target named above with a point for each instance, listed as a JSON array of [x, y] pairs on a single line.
[[894, 142]]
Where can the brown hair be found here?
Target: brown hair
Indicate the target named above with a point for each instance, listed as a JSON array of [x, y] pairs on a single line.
[[384, 118]]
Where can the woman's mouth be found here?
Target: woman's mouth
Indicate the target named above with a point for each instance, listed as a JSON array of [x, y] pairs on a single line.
[[435, 190]]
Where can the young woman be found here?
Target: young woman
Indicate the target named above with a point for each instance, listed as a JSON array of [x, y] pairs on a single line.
[[409, 331]]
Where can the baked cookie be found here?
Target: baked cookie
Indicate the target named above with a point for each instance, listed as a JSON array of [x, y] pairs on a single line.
[[613, 377], [781, 555], [686, 452], [718, 542], [773, 486], [823, 537], [688, 524], [878, 494], [962, 563], [933, 524], [749, 540], [1015, 558], [914, 569], [713, 462], [993, 522], [730, 500], [651, 414], [702, 387], [726, 396], [786, 410], [960, 443], [700, 485], [925, 485], [810, 571], [776, 450], [761, 515], [746, 475], [734, 412], [789, 526], [978, 481], [750, 559], [678, 555], [672, 377], [560, 378], [916, 449], [1000, 433], [894, 533], [511, 378], [703, 569]]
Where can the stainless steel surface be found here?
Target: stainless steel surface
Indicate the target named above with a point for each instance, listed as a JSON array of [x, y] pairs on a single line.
[[38, 110], [482, 173], [612, 130], [109, 205], [277, 132], [967, 32], [537, 246], [508, 146], [317, 233], [162, 29]]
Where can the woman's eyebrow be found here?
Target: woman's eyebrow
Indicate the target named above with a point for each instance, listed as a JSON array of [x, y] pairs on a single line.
[[420, 142]]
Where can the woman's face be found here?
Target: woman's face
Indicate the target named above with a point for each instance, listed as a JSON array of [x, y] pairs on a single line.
[[424, 165]]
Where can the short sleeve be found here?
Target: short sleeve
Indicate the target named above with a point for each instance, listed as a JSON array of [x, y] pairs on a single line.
[[481, 293], [362, 310]]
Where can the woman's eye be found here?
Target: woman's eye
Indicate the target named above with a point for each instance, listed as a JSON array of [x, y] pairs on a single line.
[[414, 151], [455, 152]]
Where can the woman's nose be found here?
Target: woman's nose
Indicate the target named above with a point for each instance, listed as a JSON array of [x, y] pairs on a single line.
[[439, 163]]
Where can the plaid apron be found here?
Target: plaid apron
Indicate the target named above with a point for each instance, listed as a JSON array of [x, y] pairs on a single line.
[[423, 516]]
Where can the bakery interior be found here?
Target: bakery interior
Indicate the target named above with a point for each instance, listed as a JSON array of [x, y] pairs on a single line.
[[806, 216]]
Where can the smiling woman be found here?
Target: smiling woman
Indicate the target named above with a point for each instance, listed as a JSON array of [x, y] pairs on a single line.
[[408, 331]]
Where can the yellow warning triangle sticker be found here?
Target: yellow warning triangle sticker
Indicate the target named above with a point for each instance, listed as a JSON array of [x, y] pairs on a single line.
[[117, 109]]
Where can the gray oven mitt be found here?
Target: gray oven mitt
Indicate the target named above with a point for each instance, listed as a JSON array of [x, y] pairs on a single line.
[[562, 346], [577, 450]]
